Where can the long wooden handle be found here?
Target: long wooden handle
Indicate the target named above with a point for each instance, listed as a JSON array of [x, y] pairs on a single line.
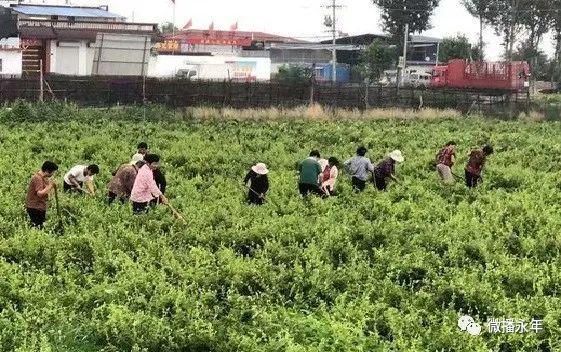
[[176, 213]]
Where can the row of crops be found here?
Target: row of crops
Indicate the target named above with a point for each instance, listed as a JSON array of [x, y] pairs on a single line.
[[374, 271]]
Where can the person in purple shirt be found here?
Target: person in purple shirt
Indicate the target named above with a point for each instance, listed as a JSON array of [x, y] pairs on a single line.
[[386, 170]]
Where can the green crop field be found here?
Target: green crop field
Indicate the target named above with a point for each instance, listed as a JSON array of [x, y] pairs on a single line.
[[376, 271]]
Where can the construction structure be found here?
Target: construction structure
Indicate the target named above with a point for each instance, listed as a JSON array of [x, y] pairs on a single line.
[[66, 39]]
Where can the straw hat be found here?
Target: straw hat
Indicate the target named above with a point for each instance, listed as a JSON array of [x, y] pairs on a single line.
[[136, 158], [397, 156], [260, 169]]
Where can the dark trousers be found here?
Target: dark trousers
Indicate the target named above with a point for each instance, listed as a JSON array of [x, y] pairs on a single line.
[[472, 180], [69, 188], [37, 217], [253, 198], [111, 197], [139, 208], [380, 183], [306, 189], [358, 184]]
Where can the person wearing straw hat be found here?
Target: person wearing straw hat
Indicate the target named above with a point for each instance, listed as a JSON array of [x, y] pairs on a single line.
[[386, 169], [258, 183], [122, 182]]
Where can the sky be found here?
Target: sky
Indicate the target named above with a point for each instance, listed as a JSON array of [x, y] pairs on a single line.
[[302, 19]]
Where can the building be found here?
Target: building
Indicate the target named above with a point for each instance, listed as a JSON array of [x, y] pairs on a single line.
[[422, 52], [242, 55], [68, 40]]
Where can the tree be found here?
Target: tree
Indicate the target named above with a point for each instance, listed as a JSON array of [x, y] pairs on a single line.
[[556, 24], [457, 47], [536, 58], [482, 9], [537, 19], [397, 13], [294, 74], [507, 20], [377, 58], [168, 28]]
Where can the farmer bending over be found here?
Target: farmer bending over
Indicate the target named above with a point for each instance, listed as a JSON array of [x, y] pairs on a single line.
[[445, 159], [310, 170], [79, 175], [258, 183], [121, 184], [386, 170], [38, 193], [475, 164], [358, 167], [145, 189]]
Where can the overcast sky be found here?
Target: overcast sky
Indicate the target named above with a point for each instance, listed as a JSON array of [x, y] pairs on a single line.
[[297, 18]]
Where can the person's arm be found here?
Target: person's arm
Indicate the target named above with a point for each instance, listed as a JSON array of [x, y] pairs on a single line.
[[265, 186], [247, 177], [369, 165], [453, 158], [74, 182], [45, 191]]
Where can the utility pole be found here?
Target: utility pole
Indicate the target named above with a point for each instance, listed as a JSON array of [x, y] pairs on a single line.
[[401, 77], [334, 7]]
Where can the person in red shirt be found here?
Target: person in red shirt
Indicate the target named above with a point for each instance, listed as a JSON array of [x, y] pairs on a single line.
[[38, 193], [475, 164], [445, 159]]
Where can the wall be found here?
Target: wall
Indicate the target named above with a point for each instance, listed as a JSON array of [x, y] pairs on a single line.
[[211, 67], [11, 57], [121, 54], [71, 58]]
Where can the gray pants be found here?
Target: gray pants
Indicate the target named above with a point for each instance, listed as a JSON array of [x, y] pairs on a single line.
[[445, 173]]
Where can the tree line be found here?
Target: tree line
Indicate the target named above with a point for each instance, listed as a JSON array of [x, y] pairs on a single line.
[[522, 25]]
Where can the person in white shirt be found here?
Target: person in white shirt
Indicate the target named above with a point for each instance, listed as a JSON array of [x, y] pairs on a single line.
[[79, 175]]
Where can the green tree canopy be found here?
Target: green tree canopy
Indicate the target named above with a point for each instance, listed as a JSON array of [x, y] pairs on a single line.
[[457, 47], [377, 58]]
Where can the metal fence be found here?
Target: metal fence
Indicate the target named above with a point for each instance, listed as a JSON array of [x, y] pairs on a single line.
[[106, 91]]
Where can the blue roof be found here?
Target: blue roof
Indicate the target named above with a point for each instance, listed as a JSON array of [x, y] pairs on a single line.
[[63, 11]]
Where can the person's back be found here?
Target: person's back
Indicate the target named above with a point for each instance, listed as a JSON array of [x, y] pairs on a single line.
[[309, 171], [359, 168]]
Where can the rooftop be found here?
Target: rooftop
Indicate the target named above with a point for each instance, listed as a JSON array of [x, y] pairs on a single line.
[[64, 11], [237, 35]]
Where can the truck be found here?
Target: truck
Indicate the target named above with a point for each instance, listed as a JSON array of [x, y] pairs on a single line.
[[482, 76]]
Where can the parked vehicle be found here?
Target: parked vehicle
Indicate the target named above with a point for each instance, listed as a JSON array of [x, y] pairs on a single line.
[[481, 75]]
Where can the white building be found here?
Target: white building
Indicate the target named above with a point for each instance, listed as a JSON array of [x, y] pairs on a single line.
[[10, 57], [65, 39], [210, 67]]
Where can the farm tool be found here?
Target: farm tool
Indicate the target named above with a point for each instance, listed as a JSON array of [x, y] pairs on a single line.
[[176, 213], [60, 225]]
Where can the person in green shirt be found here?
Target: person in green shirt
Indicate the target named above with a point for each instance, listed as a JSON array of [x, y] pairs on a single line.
[[309, 171]]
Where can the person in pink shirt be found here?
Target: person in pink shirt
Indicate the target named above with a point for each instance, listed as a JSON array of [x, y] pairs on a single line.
[[145, 188], [329, 177]]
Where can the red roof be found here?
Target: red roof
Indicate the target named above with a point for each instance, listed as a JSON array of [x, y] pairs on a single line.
[[189, 34]]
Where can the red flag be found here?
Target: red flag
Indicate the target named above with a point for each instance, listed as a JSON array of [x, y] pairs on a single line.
[[189, 24], [211, 27], [234, 27]]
